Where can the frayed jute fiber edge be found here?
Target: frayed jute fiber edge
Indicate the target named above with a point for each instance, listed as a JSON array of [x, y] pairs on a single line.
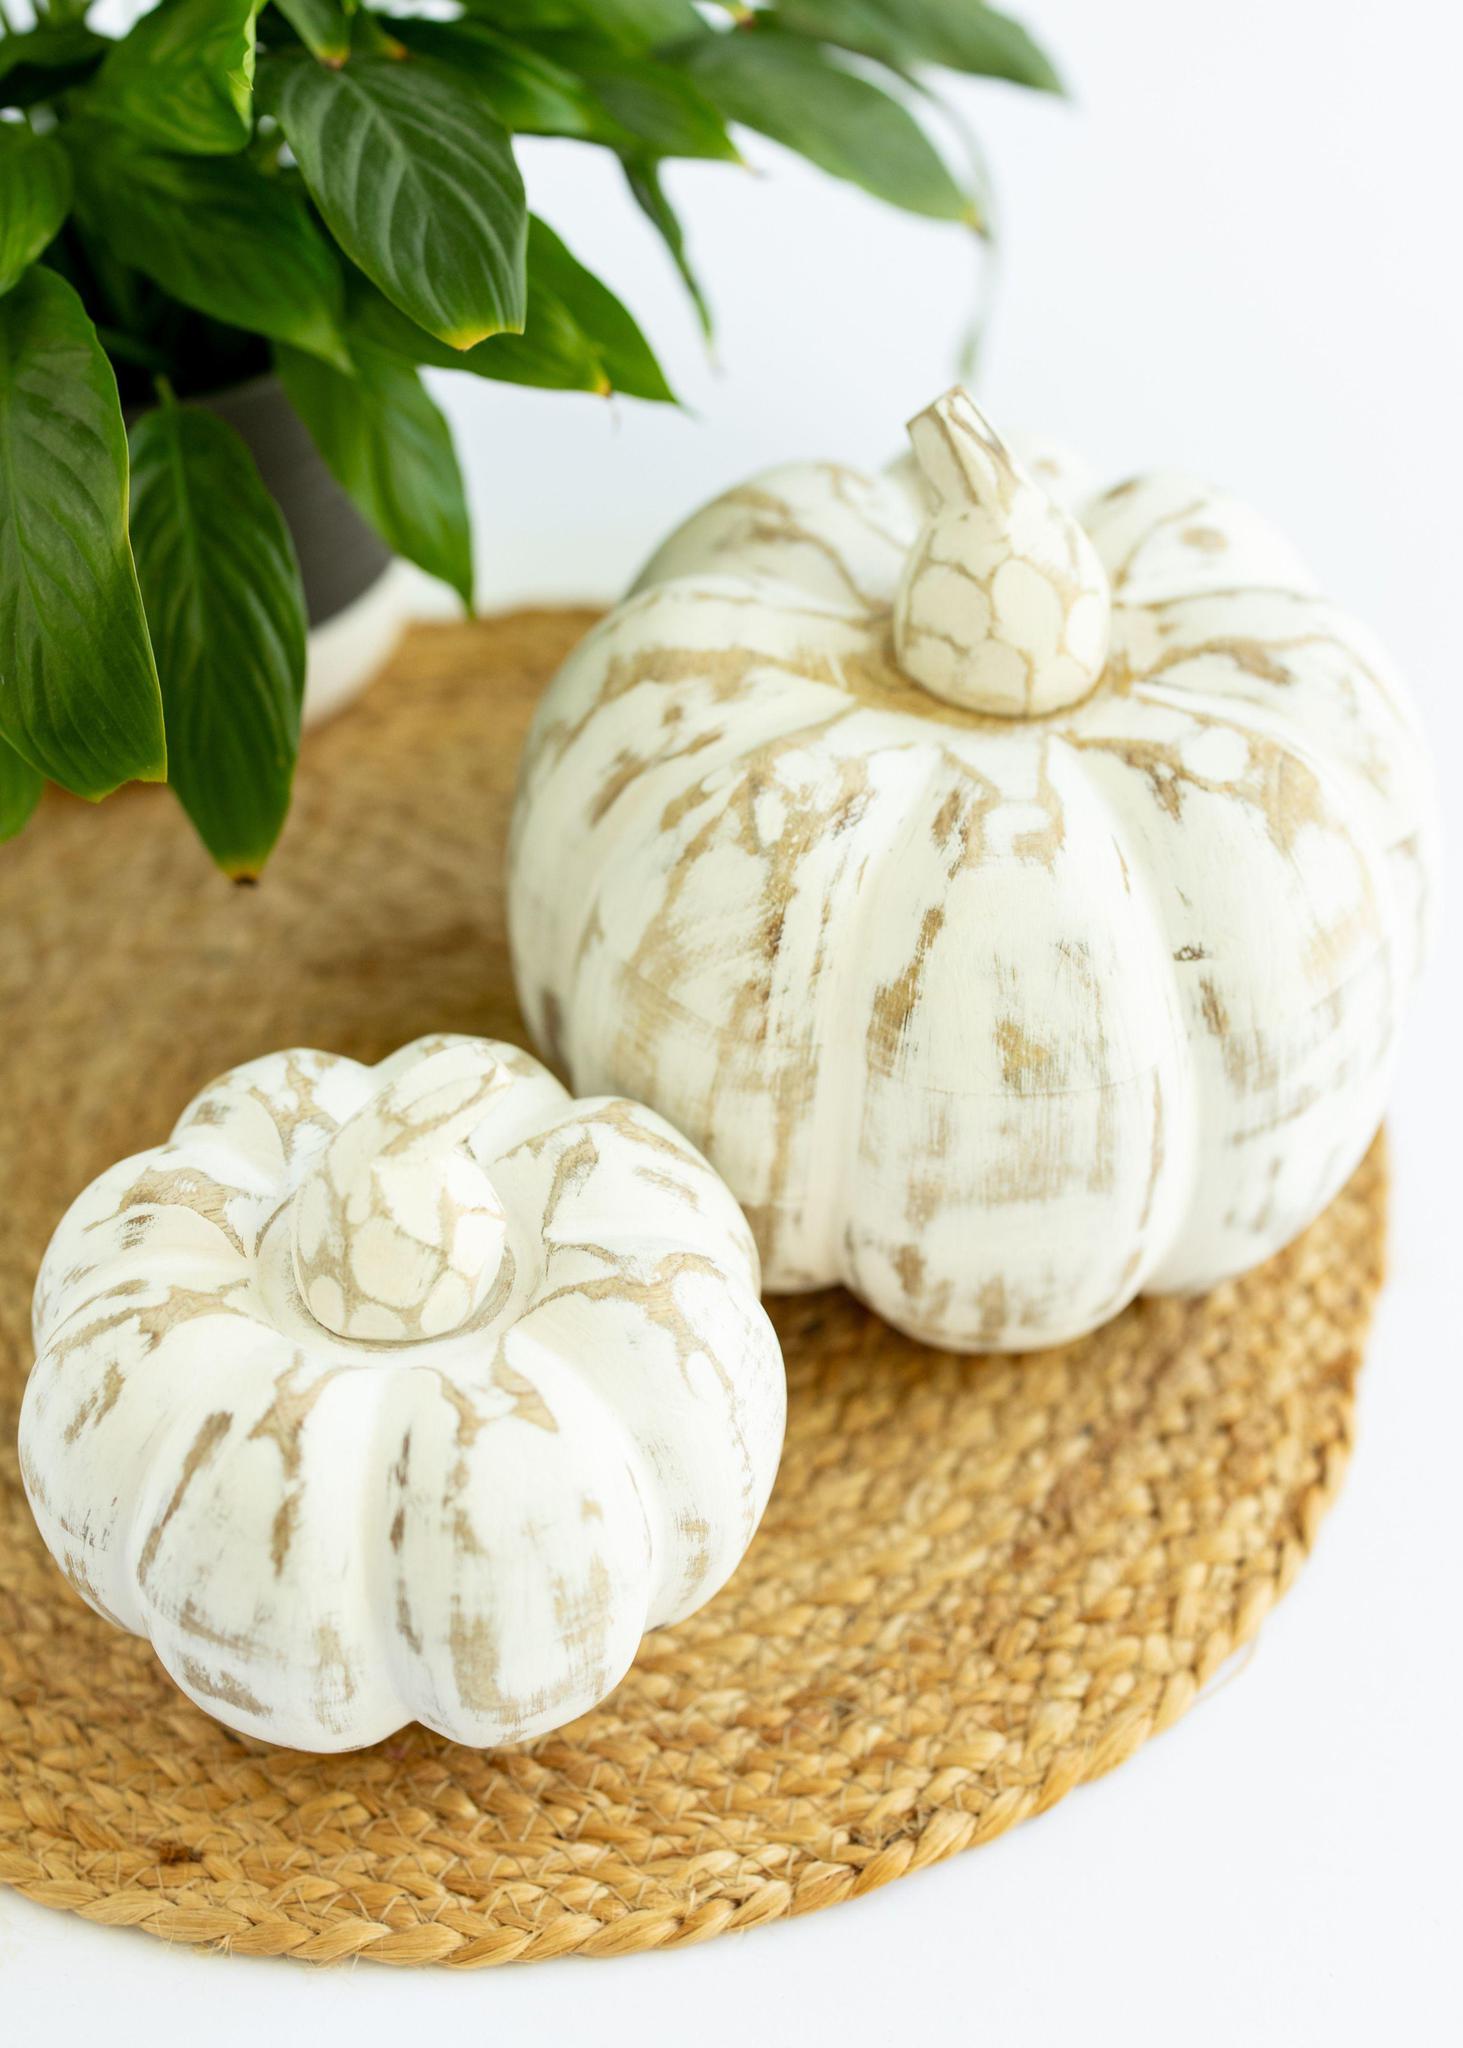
[[980, 1582]]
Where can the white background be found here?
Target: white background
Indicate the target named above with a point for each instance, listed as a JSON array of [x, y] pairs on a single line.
[[1237, 252]]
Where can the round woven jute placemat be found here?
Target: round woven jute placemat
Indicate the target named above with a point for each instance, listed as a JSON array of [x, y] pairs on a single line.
[[979, 1581]]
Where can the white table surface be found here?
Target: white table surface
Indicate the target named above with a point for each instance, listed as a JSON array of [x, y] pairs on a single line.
[[1237, 253]]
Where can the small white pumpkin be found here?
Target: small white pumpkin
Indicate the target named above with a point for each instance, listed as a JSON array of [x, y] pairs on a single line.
[[1016, 903], [415, 1391]]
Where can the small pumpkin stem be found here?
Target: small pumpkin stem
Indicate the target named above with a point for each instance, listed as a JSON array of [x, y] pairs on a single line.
[[397, 1231], [963, 458], [1003, 606]]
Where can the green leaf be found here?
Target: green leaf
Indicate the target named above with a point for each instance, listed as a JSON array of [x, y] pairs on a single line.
[[662, 109], [183, 76], [224, 602], [386, 443], [960, 34], [20, 791], [323, 26], [643, 176], [578, 336], [625, 356], [37, 63], [797, 94], [551, 354], [78, 690], [628, 24], [529, 93], [417, 183], [35, 196], [217, 233]]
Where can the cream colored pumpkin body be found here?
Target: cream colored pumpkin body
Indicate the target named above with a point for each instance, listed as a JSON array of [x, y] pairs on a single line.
[[327, 1535], [998, 1021]]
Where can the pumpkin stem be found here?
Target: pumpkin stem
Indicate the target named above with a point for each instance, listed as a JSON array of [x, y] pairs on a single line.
[[1003, 606], [397, 1231]]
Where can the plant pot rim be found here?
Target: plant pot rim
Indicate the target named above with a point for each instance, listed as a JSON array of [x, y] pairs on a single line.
[[256, 384]]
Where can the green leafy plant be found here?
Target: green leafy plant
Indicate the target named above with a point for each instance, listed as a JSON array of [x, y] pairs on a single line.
[[329, 189]]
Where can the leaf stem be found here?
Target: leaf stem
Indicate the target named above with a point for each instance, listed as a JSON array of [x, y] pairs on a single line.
[[128, 348]]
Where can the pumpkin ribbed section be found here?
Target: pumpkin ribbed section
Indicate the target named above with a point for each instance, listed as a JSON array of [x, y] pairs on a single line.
[[328, 1536], [998, 1021]]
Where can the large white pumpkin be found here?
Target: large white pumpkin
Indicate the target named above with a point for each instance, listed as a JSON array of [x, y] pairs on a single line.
[[407, 1392], [1016, 902]]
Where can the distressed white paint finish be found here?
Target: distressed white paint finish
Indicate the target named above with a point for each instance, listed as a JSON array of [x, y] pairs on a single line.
[[1002, 605], [997, 1020], [541, 1413]]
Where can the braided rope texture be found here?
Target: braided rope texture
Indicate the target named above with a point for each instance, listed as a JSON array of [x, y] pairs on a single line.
[[979, 1582]]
